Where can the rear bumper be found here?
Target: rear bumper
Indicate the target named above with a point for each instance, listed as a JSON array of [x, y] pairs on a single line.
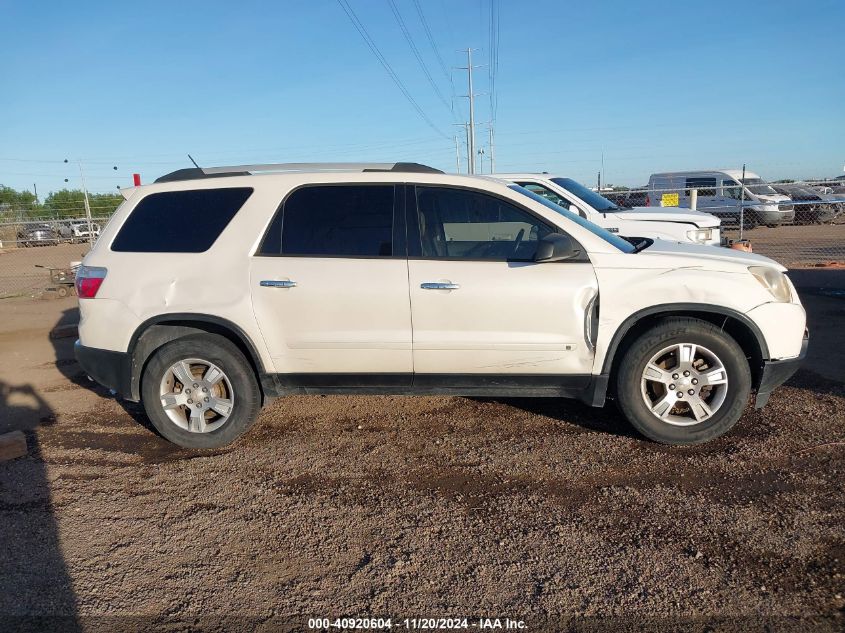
[[777, 372], [109, 368]]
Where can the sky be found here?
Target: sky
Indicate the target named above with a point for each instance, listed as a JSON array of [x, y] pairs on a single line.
[[630, 88]]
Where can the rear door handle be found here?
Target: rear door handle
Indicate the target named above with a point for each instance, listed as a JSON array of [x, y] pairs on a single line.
[[437, 285], [270, 283]]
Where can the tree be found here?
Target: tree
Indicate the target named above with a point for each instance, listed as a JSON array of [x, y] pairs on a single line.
[[71, 203], [16, 199]]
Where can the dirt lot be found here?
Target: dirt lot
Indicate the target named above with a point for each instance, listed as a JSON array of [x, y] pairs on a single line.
[[19, 272], [540, 510], [796, 246]]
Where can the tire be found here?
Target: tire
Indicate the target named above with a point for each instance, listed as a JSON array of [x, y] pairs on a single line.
[[210, 428], [681, 425]]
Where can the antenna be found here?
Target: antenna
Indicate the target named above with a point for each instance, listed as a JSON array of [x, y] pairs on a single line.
[[193, 161]]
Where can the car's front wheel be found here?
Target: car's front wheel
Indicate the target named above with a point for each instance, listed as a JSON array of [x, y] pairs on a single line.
[[684, 381], [200, 391]]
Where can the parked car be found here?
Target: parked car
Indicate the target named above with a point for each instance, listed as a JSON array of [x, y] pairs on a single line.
[[679, 225], [211, 291], [720, 193], [37, 234], [64, 230], [834, 196], [810, 206], [629, 199], [81, 233]]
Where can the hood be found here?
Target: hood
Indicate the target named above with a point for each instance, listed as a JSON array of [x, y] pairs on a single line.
[[772, 198], [711, 257], [668, 214]]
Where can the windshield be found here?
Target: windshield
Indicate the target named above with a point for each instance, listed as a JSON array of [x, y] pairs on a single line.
[[758, 186], [614, 240], [599, 203]]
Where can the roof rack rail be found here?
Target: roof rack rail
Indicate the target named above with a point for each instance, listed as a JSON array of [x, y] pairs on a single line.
[[194, 173]]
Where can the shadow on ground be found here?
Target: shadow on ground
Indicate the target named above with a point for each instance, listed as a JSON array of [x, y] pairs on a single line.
[[36, 592]]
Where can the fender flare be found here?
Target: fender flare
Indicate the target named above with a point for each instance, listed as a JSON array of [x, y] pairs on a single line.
[[183, 324], [634, 318]]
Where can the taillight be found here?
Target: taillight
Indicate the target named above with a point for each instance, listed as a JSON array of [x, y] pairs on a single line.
[[88, 281], [647, 201]]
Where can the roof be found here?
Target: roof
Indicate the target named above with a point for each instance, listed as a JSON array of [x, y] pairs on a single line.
[[733, 173], [544, 175], [196, 173]]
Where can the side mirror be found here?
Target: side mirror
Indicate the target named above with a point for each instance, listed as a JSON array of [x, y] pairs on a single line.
[[556, 247]]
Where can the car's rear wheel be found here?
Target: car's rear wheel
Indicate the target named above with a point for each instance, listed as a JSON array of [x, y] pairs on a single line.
[[684, 381], [200, 391]]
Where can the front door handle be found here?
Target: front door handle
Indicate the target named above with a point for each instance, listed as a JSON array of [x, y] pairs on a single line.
[[270, 283], [437, 285]]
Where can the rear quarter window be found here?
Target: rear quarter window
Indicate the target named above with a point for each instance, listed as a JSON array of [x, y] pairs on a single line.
[[179, 221]]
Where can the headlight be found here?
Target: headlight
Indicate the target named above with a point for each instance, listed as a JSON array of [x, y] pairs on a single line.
[[774, 281], [700, 235]]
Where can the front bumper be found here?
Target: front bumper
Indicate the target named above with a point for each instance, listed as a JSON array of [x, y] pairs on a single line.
[[772, 216], [109, 368], [777, 372]]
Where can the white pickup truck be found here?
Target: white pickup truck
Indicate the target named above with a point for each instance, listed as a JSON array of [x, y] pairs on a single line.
[[667, 223]]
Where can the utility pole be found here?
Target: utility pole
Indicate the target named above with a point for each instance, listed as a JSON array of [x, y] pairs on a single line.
[[87, 204], [742, 203], [466, 140], [602, 169], [492, 151], [457, 156], [471, 96], [481, 160]]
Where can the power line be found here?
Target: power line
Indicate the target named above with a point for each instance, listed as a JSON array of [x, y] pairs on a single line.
[[362, 31], [434, 48], [416, 53]]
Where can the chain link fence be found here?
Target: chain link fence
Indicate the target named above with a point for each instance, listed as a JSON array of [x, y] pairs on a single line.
[[37, 252], [799, 224]]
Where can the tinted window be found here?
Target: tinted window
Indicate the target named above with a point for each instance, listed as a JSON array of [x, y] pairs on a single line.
[[705, 186], [598, 202], [758, 186], [337, 220], [179, 221], [470, 225]]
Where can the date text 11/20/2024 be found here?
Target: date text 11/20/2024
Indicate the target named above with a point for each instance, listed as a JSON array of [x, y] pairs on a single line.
[[418, 624]]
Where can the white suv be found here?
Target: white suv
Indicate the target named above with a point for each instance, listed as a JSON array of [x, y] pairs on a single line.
[[670, 223], [213, 290]]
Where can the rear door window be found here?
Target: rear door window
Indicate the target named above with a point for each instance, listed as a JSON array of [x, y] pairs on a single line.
[[334, 221], [179, 221]]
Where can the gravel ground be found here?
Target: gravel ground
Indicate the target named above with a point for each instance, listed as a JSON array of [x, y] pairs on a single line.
[[544, 511]]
